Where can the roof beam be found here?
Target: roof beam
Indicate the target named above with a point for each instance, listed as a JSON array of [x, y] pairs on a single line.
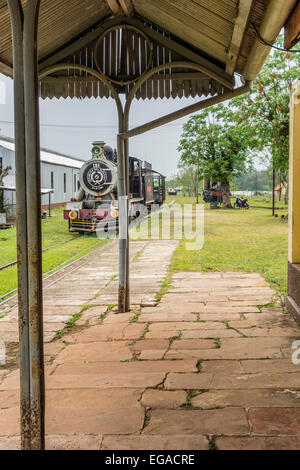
[[79, 43], [186, 111], [6, 68], [166, 76], [127, 7], [115, 7], [121, 7], [276, 15], [210, 69], [292, 28], [243, 13]]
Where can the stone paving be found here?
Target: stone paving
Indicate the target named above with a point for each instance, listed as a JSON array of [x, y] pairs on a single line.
[[94, 282], [209, 367]]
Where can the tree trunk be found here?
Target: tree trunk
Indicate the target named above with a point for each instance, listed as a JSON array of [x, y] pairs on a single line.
[[206, 184], [225, 187], [286, 196]]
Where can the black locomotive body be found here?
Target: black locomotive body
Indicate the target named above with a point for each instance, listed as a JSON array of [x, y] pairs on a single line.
[[96, 204], [159, 187]]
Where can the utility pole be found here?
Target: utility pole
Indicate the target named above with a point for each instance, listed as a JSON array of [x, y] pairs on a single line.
[[273, 192]]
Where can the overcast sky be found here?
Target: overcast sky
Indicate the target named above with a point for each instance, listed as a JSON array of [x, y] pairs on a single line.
[[69, 126]]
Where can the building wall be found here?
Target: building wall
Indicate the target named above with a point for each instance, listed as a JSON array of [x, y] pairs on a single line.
[[65, 181]]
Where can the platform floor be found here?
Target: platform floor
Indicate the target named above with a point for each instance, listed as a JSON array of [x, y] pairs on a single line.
[[209, 367]]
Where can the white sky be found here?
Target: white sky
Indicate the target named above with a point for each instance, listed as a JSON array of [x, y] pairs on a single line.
[[70, 126], [2, 92]]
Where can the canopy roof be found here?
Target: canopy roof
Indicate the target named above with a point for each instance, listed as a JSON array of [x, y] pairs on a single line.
[[217, 36]]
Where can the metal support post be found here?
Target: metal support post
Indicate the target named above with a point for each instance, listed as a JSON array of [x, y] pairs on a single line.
[[24, 28], [123, 220], [16, 14], [34, 239]]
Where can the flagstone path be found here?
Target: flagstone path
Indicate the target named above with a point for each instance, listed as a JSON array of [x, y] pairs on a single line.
[[209, 367]]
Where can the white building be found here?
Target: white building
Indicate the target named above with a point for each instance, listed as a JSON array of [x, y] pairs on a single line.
[[58, 172]]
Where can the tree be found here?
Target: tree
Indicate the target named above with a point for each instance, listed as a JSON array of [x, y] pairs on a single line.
[[216, 146], [186, 179], [254, 181], [264, 112]]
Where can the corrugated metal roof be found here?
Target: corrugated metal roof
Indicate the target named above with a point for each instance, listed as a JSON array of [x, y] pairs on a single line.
[[206, 26], [217, 31], [48, 157], [60, 21]]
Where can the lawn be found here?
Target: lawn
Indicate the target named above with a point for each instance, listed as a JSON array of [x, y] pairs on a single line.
[[239, 240], [54, 233], [235, 240]]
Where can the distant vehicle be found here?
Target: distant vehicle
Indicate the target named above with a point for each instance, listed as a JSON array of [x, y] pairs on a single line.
[[213, 196], [241, 203], [172, 192]]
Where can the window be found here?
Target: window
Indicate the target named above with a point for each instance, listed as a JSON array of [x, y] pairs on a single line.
[[75, 184], [65, 183], [52, 180]]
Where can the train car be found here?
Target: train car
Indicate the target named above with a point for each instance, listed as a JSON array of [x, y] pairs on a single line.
[[172, 192], [95, 206], [159, 187]]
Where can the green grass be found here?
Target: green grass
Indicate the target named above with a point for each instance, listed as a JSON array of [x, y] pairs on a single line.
[[239, 240], [54, 232]]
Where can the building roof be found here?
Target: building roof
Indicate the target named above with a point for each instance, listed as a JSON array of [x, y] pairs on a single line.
[[218, 36], [47, 156], [8, 187]]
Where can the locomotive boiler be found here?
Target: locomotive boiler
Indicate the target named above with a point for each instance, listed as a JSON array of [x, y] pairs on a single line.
[[95, 207]]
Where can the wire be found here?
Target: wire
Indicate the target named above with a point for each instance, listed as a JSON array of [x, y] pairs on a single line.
[[82, 126], [266, 43]]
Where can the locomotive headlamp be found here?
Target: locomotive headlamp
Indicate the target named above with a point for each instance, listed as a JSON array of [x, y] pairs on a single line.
[[72, 215], [114, 213], [98, 149]]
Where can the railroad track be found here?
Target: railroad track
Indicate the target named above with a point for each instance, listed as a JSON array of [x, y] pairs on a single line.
[[8, 301], [13, 263], [10, 298]]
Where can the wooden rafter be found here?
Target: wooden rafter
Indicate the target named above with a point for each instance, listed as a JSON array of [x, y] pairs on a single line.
[[210, 69], [79, 43], [243, 12], [121, 7], [6, 68], [127, 7], [292, 28], [167, 76], [115, 7]]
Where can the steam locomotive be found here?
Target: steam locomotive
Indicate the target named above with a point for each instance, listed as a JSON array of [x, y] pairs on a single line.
[[95, 207]]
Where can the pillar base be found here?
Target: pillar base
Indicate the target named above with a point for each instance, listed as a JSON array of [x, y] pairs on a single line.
[[292, 300]]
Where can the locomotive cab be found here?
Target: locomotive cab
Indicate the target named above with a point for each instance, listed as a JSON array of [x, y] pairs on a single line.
[[159, 187], [135, 177]]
